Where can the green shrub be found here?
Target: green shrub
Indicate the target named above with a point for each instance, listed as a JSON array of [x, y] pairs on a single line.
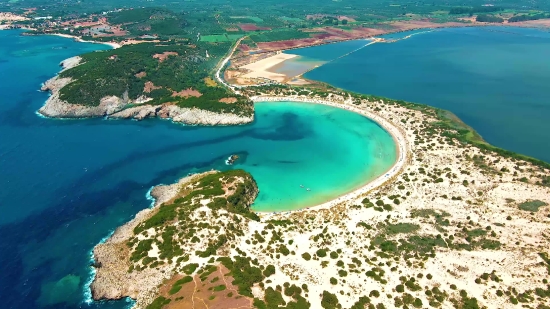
[[158, 303], [321, 253], [532, 206], [269, 270], [220, 287], [190, 268], [329, 301]]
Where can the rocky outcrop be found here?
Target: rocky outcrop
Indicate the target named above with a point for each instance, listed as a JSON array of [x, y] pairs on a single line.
[[115, 107], [118, 276], [124, 108], [70, 62], [57, 108], [193, 116], [112, 258]]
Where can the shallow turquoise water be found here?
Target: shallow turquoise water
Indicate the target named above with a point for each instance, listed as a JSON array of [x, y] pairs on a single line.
[[496, 79], [309, 58], [336, 152], [67, 183]]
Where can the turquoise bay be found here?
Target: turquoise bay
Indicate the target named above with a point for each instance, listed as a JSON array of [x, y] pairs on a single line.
[[495, 79], [67, 183]]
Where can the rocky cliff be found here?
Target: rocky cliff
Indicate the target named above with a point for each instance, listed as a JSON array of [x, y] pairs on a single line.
[[122, 108], [118, 273]]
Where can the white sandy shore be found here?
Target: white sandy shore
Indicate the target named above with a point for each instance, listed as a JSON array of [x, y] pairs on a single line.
[[78, 39], [398, 137], [260, 69]]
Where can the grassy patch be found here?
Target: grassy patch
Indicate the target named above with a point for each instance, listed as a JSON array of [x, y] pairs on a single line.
[[532, 206], [220, 287], [214, 38], [402, 228], [178, 284]]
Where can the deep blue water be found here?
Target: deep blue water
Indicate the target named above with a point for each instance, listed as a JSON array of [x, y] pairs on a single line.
[[496, 79], [66, 184]]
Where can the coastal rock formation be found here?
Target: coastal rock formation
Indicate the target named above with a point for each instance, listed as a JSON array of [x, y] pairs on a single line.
[[115, 107], [193, 116], [70, 62], [118, 273], [57, 108], [123, 108]]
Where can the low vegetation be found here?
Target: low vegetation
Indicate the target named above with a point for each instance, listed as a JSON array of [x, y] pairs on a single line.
[[174, 73]]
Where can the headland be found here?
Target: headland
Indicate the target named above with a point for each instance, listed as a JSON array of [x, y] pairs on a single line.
[[448, 220]]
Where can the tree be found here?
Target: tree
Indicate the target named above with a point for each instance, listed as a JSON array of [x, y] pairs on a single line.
[[344, 22]]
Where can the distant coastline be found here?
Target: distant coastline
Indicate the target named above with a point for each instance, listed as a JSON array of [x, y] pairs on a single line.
[[114, 45]]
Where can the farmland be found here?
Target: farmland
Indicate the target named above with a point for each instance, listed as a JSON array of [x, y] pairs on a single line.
[[214, 38]]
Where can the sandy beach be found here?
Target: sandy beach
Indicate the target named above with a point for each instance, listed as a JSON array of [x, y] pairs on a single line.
[[260, 69], [397, 135], [79, 39]]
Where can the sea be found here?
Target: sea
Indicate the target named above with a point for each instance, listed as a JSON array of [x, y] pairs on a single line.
[[67, 184], [495, 79]]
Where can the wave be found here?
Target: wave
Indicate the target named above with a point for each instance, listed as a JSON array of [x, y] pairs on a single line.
[[87, 291]]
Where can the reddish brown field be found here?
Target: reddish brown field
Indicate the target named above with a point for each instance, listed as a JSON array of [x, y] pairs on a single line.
[[199, 294], [149, 86], [228, 101], [163, 56], [244, 47], [272, 46], [324, 35], [187, 93], [252, 27]]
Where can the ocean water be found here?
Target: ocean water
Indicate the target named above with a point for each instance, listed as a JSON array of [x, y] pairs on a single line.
[[495, 79], [66, 184]]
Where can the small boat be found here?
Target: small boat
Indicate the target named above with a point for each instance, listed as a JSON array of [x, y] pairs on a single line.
[[301, 186], [308, 189]]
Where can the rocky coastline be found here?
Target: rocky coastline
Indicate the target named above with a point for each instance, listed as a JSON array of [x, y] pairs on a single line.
[[123, 108], [112, 258]]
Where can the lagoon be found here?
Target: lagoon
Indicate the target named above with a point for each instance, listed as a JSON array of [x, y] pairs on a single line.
[[66, 184], [495, 79]]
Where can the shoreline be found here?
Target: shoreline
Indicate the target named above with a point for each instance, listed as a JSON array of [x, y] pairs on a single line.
[[397, 136], [374, 39], [113, 45], [80, 40]]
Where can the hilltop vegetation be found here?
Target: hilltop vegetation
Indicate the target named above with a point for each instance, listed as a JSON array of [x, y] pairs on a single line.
[[141, 21], [173, 73], [266, 20]]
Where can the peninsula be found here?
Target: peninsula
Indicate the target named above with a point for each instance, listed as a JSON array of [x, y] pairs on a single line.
[[169, 81]]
